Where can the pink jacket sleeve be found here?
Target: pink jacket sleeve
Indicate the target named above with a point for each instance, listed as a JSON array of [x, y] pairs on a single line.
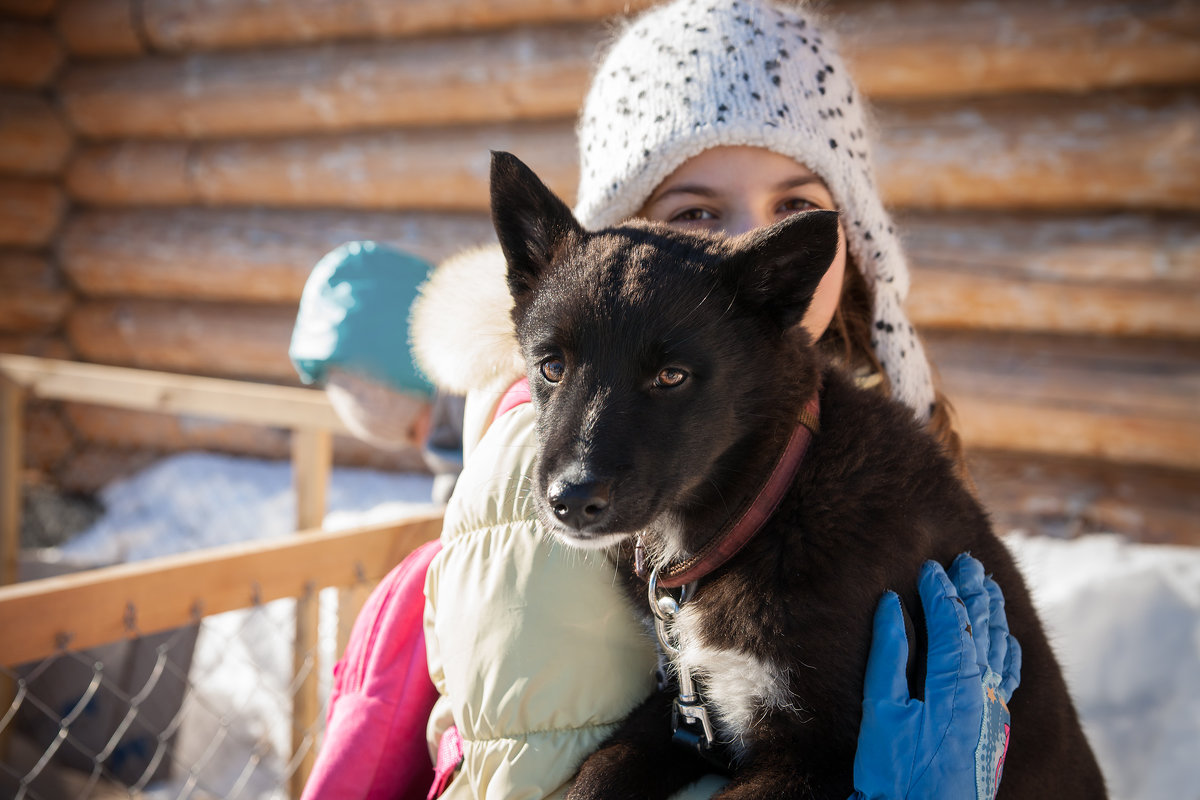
[[381, 697]]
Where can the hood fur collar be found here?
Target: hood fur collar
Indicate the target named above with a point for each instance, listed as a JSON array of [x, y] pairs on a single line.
[[460, 331]]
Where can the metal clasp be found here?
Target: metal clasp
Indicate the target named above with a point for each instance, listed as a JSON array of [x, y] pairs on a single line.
[[688, 706]]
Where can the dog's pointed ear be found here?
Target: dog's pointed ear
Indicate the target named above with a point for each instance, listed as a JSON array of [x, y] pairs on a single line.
[[777, 269], [531, 221]]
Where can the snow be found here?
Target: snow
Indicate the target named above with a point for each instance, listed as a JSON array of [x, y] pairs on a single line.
[[1124, 619]]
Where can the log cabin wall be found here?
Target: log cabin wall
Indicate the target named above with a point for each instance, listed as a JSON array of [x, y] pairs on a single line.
[[1043, 157]]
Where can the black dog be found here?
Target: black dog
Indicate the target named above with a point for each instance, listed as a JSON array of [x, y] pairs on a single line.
[[668, 371]]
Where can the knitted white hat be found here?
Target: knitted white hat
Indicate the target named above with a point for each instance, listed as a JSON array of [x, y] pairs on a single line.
[[695, 74]]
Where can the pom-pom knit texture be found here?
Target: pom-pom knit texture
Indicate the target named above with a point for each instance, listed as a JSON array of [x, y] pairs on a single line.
[[696, 74]]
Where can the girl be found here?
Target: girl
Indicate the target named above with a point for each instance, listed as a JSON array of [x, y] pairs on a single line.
[[717, 114]]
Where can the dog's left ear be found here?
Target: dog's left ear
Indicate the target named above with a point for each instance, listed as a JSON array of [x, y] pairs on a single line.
[[531, 221], [778, 268]]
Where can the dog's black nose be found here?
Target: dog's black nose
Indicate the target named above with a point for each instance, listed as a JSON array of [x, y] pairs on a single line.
[[579, 504]]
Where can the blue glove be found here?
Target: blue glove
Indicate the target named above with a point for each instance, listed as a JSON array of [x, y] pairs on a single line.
[[953, 743]]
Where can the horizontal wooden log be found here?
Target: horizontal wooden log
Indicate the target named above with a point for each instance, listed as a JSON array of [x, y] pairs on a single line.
[[91, 608], [1122, 401], [171, 433], [194, 338], [34, 139], [30, 54], [40, 345], [1067, 497], [27, 9], [1044, 152], [525, 74], [245, 256], [30, 211], [174, 26], [1132, 274], [32, 298], [1027, 152], [1119, 400], [895, 49]]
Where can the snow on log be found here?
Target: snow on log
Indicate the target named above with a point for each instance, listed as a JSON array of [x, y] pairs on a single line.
[[30, 54], [33, 299], [1128, 149], [1118, 400], [897, 48], [245, 256], [1132, 274], [29, 211], [34, 140]]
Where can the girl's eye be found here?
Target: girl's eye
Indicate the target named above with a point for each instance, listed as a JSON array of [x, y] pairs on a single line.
[[553, 370], [797, 204], [692, 215], [669, 378]]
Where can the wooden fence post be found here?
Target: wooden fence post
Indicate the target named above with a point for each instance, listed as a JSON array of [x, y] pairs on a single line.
[[312, 456], [12, 417]]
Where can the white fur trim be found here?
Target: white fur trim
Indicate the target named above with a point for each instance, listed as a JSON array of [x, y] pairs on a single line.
[[460, 330]]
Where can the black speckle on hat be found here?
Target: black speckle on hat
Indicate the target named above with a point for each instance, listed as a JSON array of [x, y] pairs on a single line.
[[756, 95], [775, 79], [833, 144]]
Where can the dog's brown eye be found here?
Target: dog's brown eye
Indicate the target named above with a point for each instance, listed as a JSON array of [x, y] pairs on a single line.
[[669, 378], [553, 370]]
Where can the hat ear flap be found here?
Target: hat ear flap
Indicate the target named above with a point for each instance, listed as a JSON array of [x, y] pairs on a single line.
[[776, 270], [531, 222]]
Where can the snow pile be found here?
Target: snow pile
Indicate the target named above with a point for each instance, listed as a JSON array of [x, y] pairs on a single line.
[[1124, 619]]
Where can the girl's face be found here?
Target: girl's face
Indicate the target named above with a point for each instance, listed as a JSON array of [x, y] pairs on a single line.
[[733, 190]]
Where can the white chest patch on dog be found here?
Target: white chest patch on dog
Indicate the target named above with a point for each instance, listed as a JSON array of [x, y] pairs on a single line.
[[737, 687]]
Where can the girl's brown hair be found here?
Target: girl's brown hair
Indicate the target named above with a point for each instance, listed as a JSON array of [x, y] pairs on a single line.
[[848, 339]]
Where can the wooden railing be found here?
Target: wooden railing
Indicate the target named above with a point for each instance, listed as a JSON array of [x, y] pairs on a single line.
[[79, 611]]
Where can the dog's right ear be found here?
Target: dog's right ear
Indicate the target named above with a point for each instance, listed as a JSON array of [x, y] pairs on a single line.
[[531, 222]]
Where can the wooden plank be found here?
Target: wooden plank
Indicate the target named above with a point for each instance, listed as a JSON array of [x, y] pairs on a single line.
[[312, 452], [895, 49], [89, 608], [1065, 497], [33, 298], [34, 139], [30, 54], [1120, 400], [1134, 274], [176, 394], [252, 255], [30, 211], [1024, 152]]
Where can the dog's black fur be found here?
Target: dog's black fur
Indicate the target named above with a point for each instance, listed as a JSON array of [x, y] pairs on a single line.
[[608, 323]]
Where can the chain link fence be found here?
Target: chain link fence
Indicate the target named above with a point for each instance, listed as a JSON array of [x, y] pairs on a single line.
[[201, 711]]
